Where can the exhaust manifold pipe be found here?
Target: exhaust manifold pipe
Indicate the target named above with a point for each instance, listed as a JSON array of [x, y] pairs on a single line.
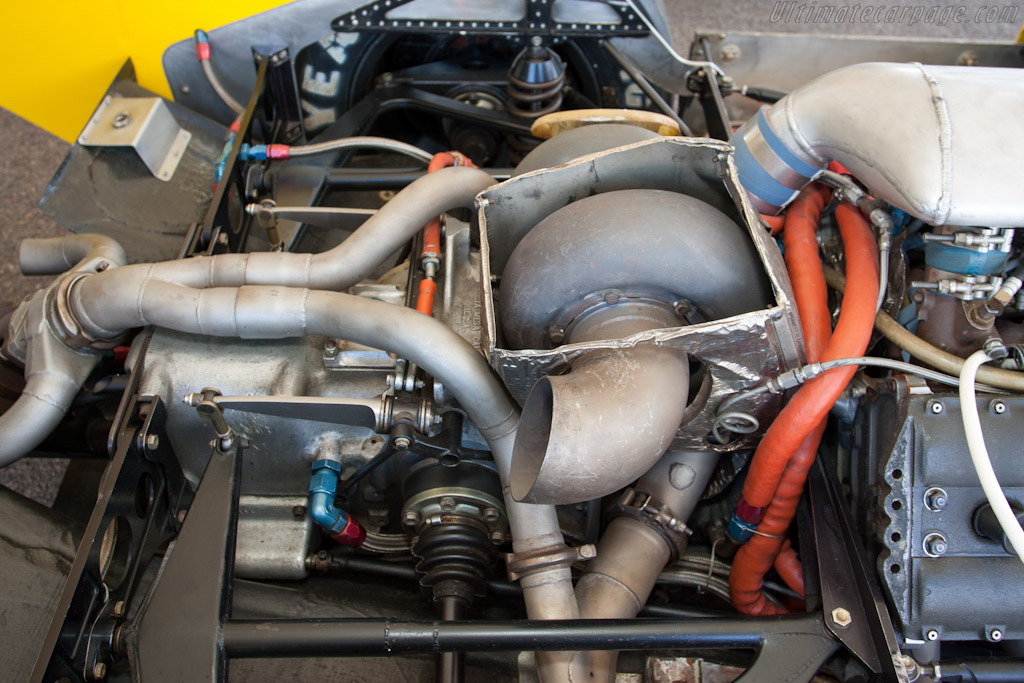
[[613, 266]]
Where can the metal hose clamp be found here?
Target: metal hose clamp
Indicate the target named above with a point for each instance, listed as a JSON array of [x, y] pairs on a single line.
[[545, 559], [648, 510]]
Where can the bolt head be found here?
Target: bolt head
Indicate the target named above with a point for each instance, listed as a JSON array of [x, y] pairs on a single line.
[[181, 516], [587, 552], [497, 537], [119, 608], [995, 635], [998, 407], [841, 617], [402, 442], [936, 499], [491, 515], [447, 503], [931, 634], [152, 442], [411, 518], [934, 407], [935, 544], [729, 53], [99, 671]]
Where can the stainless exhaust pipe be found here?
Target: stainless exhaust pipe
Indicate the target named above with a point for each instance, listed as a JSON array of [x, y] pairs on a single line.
[[600, 427], [943, 143]]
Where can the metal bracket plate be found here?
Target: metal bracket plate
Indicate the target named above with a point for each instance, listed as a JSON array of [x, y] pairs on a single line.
[[143, 123], [576, 19]]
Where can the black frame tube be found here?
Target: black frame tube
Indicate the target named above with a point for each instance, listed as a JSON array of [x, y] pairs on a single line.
[[386, 637]]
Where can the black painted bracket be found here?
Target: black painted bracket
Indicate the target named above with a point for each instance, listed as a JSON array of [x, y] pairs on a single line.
[[540, 18]]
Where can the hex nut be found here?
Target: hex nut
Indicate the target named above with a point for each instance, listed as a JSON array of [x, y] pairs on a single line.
[[841, 617], [411, 518], [935, 544], [936, 499]]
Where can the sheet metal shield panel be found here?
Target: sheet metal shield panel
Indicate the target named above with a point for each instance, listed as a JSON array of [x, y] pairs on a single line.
[[738, 351]]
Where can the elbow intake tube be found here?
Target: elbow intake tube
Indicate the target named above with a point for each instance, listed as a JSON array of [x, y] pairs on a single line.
[[942, 143], [323, 487]]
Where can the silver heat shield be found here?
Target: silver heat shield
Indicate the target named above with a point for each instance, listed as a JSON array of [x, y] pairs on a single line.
[[737, 352]]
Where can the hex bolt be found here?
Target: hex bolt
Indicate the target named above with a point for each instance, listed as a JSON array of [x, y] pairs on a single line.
[[931, 634], [152, 442], [402, 442], [121, 120], [99, 672], [935, 499], [331, 348], [102, 266], [995, 634], [497, 537], [411, 518], [997, 407], [118, 609], [729, 53], [587, 552], [181, 516], [935, 544], [491, 515], [841, 617], [611, 297], [934, 407], [447, 503], [299, 511]]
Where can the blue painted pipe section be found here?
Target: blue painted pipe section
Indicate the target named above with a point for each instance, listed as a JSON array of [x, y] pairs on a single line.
[[957, 259], [323, 487], [770, 172]]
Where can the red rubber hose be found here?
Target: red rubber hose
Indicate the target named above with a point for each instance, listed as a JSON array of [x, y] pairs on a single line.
[[432, 233], [813, 400], [755, 558]]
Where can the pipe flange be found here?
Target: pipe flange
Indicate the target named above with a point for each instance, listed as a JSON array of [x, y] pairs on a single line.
[[67, 325], [562, 325], [546, 559], [654, 514]]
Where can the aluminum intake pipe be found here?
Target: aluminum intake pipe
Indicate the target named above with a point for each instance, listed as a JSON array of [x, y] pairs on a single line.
[[942, 143], [613, 266]]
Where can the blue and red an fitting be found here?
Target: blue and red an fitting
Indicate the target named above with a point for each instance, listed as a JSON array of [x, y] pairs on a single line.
[[202, 45], [745, 519], [247, 152], [323, 488]]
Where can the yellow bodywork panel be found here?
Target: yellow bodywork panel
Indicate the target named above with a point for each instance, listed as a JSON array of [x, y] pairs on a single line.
[[61, 56]]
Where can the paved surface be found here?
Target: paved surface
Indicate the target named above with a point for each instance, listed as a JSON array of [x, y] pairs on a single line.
[[31, 156]]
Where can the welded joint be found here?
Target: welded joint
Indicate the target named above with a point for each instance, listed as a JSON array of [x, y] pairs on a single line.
[[559, 556]]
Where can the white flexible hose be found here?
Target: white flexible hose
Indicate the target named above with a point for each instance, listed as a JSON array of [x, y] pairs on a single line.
[[979, 453]]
